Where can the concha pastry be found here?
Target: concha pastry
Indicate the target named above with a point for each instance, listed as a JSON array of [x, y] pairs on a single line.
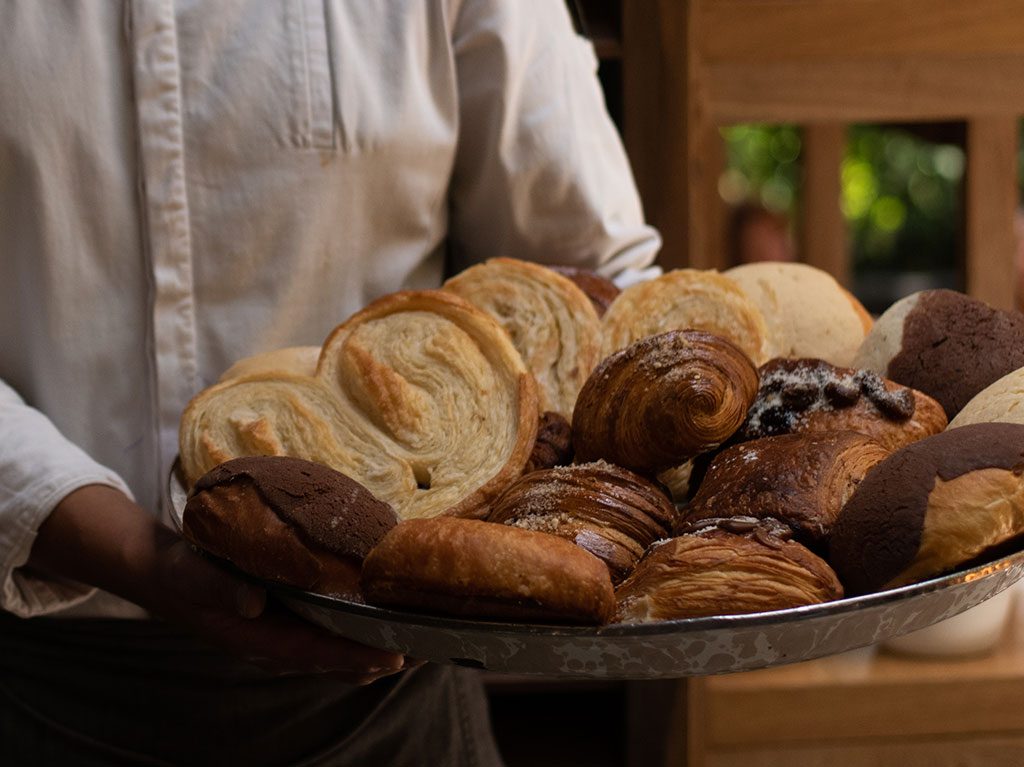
[[803, 480], [663, 400], [724, 567], [931, 507], [801, 395], [808, 313], [551, 321], [420, 397], [944, 343], [687, 299], [1002, 401], [609, 511]]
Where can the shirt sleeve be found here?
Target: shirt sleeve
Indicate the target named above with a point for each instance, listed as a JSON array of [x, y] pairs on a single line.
[[38, 467], [540, 172]]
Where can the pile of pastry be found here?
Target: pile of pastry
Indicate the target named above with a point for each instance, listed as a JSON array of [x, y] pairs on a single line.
[[532, 444]]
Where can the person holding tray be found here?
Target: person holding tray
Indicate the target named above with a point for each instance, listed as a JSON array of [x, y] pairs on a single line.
[[185, 184]]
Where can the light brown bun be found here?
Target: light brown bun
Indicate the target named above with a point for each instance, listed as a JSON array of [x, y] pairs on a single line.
[[687, 299], [600, 290], [292, 360], [1001, 402], [476, 569], [808, 313], [802, 395], [724, 567], [420, 397], [550, 320], [803, 480], [933, 506], [287, 520], [663, 400], [609, 511]]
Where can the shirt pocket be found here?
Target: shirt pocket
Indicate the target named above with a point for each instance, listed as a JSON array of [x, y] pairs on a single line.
[[311, 113]]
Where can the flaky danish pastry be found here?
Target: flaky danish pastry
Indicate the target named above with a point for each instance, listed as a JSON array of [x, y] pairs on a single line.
[[663, 400], [550, 320], [724, 567], [803, 480], [420, 397], [476, 569], [798, 395], [687, 299], [293, 360], [609, 511], [931, 507]]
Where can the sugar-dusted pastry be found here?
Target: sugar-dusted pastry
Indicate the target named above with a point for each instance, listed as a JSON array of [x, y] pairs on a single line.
[[931, 507], [944, 343], [600, 290], [287, 520], [725, 567], [294, 360], [476, 569], [799, 395], [687, 299], [803, 480], [420, 397], [609, 511], [1002, 401], [663, 400], [550, 320], [808, 313]]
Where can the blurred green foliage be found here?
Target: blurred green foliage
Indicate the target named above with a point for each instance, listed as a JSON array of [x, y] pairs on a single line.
[[900, 193]]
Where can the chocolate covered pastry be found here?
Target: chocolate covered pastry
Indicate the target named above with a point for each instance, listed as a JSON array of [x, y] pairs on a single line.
[[600, 290]]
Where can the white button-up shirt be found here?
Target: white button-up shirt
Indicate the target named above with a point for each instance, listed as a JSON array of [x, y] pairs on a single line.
[[187, 182]]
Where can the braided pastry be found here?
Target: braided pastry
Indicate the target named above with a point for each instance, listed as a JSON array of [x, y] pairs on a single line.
[[663, 400], [687, 299], [420, 397], [552, 323]]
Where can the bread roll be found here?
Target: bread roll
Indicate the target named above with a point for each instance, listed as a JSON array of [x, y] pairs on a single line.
[[807, 312], [420, 397], [551, 322], [803, 480], [663, 400], [475, 569], [609, 511], [287, 520], [801, 395], [945, 344], [1002, 401], [932, 507], [687, 299], [724, 567]]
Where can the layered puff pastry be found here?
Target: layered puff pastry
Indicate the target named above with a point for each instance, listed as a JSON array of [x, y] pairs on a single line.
[[663, 400], [687, 299], [724, 567], [421, 397], [551, 321], [609, 511], [801, 395]]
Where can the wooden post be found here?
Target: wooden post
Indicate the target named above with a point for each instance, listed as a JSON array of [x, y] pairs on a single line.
[[822, 241]]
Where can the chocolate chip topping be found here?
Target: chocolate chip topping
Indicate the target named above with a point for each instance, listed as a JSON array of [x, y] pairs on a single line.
[[791, 388], [954, 346], [878, 532], [328, 508]]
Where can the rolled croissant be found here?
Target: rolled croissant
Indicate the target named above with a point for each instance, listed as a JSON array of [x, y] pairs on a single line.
[[663, 400]]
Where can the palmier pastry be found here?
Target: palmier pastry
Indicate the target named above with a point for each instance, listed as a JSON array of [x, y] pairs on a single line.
[[663, 400], [287, 520], [933, 506], [551, 322], [725, 567], [808, 313], [687, 299], [798, 395], [1002, 401], [801, 479], [944, 343], [476, 569], [292, 360], [420, 397], [609, 511], [600, 290]]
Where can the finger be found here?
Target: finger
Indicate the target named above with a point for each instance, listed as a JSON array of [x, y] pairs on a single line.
[[203, 583]]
